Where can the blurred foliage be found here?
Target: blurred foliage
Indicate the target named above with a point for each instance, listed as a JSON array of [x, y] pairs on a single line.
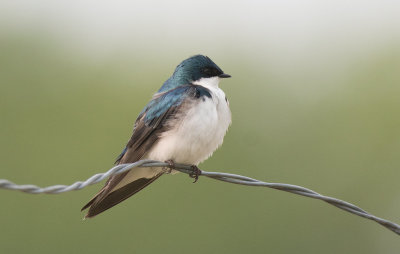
[[334, 130]]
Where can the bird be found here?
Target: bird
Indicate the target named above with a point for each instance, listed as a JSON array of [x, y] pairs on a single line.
[[184, 122]]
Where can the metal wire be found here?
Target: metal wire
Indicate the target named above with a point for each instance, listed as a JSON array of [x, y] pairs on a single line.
[[188, 169]]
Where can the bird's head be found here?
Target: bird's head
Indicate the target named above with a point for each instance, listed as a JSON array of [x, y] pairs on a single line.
[[198, 70]]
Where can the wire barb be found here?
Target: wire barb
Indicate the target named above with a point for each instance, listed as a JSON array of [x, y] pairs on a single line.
[[190, 170]]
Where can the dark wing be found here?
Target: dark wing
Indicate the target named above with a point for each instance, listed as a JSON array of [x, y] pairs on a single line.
[[150, 124]]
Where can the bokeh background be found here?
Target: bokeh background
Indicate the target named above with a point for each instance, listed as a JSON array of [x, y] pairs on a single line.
[[315, 96]]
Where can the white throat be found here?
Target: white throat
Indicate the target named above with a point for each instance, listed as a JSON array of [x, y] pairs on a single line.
[[208, 82]]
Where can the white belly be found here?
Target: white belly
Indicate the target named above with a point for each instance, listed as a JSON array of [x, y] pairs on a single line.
[[195, 136], [199, 134]]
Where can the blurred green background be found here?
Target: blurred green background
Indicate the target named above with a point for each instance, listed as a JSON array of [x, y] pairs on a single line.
[[315, 97]]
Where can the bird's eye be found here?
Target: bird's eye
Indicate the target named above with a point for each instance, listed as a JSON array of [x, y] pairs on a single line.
[[207, 71], [210, 71]]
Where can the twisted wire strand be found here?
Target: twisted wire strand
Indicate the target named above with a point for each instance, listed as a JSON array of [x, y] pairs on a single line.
[[188, 169]]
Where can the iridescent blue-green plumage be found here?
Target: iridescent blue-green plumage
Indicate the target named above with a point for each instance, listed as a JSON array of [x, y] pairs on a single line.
[[176, 96], [178, 88], [172, 98], [191, 69], [159, 106]]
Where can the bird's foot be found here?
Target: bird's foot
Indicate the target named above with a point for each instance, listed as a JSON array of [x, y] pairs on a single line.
[[170, 167], [195, 174]]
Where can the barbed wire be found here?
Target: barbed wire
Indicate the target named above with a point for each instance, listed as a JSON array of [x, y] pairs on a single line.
[[188, 169]]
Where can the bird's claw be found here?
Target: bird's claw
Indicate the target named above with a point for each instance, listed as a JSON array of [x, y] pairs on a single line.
[[196, 172], [170, 167]]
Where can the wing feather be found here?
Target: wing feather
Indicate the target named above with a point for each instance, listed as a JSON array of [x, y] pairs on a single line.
[[155, 119]]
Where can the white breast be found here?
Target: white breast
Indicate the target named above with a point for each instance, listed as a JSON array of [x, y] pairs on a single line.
[[200, 132], [195, 136]]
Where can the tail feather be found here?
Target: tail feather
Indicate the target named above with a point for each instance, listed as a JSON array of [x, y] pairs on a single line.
[[100, 203]]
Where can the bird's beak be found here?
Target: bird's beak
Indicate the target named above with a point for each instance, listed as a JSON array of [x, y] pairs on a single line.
[[224, 75]]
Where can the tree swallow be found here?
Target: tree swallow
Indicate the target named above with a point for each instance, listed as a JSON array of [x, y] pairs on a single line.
[[185, 122]]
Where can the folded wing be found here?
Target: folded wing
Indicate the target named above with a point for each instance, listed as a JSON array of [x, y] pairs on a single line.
[[156, 118]]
